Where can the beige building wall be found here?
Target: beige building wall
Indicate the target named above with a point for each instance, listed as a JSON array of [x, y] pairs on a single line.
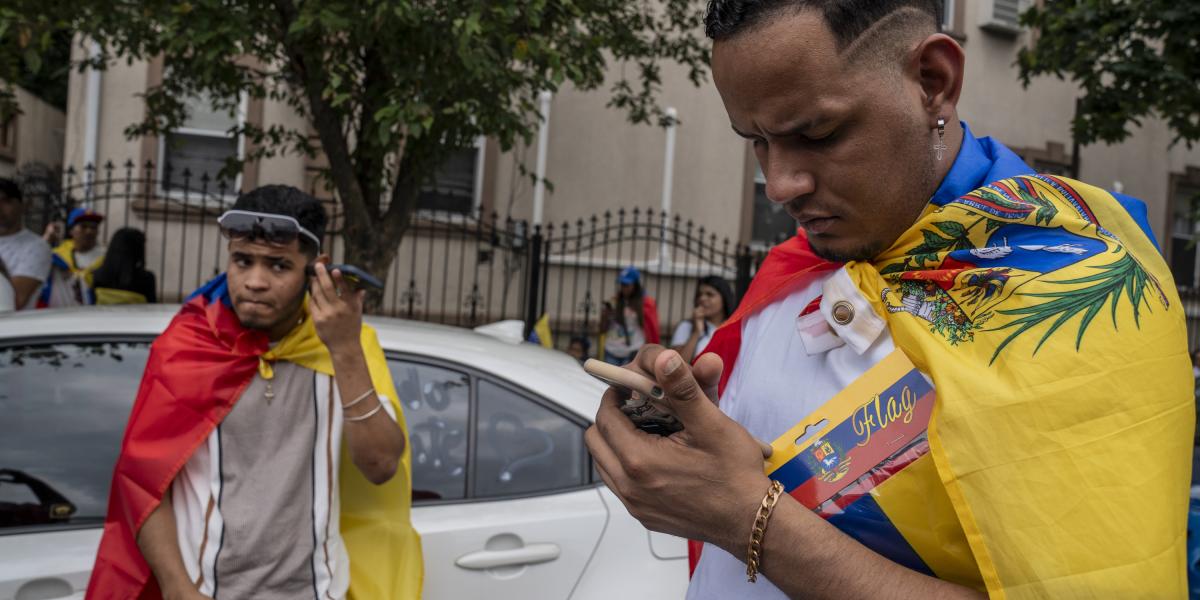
[[597, 161], [35, 135], [995, 103]]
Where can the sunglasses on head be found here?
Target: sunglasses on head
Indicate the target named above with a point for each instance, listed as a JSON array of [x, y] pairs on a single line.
[[277, 230]]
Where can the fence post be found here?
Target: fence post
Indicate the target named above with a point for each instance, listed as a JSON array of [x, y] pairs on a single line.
[[745, 259], [533, 293]]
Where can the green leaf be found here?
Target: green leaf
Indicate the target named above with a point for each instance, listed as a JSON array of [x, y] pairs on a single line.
[[951, 228]]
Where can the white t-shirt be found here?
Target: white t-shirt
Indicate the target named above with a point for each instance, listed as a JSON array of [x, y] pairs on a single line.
[[8, 296], [26, 254], [684, 331], [66, 289], [777, 381]]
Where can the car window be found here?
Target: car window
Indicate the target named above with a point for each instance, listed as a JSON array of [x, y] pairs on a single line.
[[436, 402], [64, 410], [523, 447]]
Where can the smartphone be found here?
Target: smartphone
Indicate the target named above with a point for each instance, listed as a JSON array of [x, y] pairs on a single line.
[[357, 277], [640, 395], [643, 394]]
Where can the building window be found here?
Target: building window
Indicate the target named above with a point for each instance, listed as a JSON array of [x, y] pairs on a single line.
[[1185, 201], [201, 147], [1051, 160], [772, 224], [949, 13], [8, 138], [1003, 17], [457, 187]]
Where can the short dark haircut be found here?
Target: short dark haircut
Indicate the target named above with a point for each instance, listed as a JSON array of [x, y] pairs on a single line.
[[288, 201], [10, 189], [847, 19]]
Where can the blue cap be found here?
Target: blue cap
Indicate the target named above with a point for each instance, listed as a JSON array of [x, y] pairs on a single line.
[[629, 276], [83, 214]]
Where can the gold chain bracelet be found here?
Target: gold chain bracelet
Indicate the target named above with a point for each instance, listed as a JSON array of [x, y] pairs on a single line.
[[754, 552]]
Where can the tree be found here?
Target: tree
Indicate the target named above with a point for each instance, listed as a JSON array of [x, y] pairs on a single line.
[[391, 87], [1133, 60]]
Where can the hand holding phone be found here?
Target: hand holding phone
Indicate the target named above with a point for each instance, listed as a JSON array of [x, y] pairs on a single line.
[[353, 275], [643, 402]]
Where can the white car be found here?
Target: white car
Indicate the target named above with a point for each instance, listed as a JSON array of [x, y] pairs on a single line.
[[504, 495]]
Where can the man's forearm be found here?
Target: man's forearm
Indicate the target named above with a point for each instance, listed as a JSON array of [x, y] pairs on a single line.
[[807, 557], [159, 544], [377, 442], [23, 289]]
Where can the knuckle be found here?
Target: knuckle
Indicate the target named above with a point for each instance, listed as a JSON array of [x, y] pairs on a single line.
[[636, 468]]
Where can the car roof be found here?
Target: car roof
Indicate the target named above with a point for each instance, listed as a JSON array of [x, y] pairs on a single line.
[[545, 372]]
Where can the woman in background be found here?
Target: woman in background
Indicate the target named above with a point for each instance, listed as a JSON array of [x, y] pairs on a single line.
[[713, 304], [628, 321], [122, 278]]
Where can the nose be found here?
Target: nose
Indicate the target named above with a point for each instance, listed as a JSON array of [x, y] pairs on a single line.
[[788, 178], [256, 280]]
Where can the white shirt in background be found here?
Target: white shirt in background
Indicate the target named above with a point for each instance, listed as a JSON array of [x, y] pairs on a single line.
[[26, 254]]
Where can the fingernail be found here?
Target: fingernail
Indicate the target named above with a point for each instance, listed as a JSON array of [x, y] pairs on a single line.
[[672, 364]]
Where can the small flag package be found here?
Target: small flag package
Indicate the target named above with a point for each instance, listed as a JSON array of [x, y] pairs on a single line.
[[861, 462]]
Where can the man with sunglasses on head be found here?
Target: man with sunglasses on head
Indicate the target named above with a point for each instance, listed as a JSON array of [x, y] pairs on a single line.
[[266, 454]]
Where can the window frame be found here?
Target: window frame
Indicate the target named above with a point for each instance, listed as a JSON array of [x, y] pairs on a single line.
[[1177, 183], [475, 375], [73, 338], [8, 138], [425, 214], [757, 178], [192, 196]]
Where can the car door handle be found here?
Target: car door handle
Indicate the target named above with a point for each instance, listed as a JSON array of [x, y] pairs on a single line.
[[527, 555]]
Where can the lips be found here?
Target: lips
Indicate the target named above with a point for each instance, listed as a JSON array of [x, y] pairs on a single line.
[[816, 224]]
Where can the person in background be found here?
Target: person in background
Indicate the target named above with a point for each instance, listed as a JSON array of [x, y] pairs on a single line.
[[122, 278], [713, 304], [629, 320], [74, 262], [578, 348], [25, 254]]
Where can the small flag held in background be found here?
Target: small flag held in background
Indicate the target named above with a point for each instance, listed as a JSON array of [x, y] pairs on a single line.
[[541, 332]]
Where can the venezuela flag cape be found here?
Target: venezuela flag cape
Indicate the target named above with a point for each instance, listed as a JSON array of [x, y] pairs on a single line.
[[1060, 439], [196, 372]]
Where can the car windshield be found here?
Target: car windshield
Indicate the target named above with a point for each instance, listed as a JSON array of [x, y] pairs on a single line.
[[65, 406]]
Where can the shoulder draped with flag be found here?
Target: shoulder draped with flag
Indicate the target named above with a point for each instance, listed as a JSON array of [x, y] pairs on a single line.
[[1060, 442], [196, 372], [63, 258]]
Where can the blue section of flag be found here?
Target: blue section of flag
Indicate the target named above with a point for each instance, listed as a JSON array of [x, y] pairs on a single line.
[[866, 522], [1034, 249]]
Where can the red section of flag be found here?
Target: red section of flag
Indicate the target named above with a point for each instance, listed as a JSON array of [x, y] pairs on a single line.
[[786, 264]]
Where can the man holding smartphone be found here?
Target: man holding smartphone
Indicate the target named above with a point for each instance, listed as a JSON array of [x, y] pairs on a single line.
[[266, 454], [1057, 455]]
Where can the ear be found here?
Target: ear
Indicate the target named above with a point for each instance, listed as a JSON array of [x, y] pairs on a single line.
[[938, 66]]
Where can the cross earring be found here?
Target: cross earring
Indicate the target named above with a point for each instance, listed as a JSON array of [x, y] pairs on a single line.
[[941, 147]]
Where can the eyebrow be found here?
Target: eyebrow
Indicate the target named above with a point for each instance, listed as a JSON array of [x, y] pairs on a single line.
[[248, 255], [793, 130]]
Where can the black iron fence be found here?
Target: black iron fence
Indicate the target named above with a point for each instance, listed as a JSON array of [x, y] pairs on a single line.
[[453, 268]]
